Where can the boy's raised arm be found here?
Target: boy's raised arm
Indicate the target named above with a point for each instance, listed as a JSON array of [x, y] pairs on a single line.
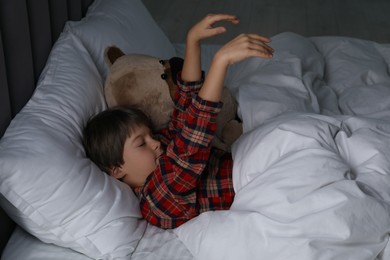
[[240, 48], [202, 30]]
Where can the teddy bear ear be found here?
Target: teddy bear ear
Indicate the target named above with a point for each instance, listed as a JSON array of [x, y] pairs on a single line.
[[111, 54]]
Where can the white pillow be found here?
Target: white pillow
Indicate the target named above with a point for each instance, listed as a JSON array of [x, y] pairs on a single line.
[[126, 24], [352, 62], [24, 246], [357, 71], [48, 185]]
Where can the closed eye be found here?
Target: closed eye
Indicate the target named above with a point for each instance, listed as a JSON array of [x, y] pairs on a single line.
[[139, 141], [141, 144]]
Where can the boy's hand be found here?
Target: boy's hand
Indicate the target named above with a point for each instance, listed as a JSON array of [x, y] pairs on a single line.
[[240, 48], [244, 46], [204, 28]]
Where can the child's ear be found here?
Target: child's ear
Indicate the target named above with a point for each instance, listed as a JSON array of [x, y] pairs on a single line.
[[117, 173]]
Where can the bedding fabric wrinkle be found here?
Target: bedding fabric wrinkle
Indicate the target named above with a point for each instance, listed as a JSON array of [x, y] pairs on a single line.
[[311, 177]]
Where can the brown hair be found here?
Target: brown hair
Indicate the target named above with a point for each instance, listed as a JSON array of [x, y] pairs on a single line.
[[105, 135]]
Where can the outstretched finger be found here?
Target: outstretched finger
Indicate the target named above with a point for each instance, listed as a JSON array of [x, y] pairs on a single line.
[[214, 18], [257, 41], [262, 45], [260, 37], [261, 51]]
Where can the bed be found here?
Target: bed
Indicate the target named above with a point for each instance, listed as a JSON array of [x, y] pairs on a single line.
[[311, 171]]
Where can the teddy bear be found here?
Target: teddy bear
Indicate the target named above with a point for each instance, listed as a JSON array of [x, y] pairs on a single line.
[[150, 84]]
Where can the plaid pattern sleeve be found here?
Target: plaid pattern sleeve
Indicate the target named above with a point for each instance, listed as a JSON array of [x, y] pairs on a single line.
[[169, 196], [182, 100]]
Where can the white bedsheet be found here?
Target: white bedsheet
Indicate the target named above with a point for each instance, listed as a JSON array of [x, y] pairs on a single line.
[[155, 244], [311, 172]]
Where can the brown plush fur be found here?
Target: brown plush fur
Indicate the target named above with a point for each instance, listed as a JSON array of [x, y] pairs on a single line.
[[136, 80]]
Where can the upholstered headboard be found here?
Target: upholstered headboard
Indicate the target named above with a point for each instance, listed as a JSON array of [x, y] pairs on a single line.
[[28, 30]]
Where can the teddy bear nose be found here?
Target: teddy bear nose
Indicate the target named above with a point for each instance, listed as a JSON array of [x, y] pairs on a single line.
[[164, 76]]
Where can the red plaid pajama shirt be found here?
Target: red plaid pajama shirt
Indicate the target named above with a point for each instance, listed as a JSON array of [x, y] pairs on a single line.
[[192, 177]]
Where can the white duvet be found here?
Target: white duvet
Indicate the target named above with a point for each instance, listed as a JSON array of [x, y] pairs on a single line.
[[311, 173]]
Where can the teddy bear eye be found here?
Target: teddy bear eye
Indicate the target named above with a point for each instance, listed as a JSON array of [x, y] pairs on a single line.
[[162, 62], [164, 76]]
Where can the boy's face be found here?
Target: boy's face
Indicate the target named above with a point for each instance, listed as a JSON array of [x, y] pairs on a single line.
[[140, 154]]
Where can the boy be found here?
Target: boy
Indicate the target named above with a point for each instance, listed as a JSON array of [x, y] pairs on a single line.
[[178, 176]]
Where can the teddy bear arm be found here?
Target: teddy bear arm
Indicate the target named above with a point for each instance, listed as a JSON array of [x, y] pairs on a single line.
[[231, 132]]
